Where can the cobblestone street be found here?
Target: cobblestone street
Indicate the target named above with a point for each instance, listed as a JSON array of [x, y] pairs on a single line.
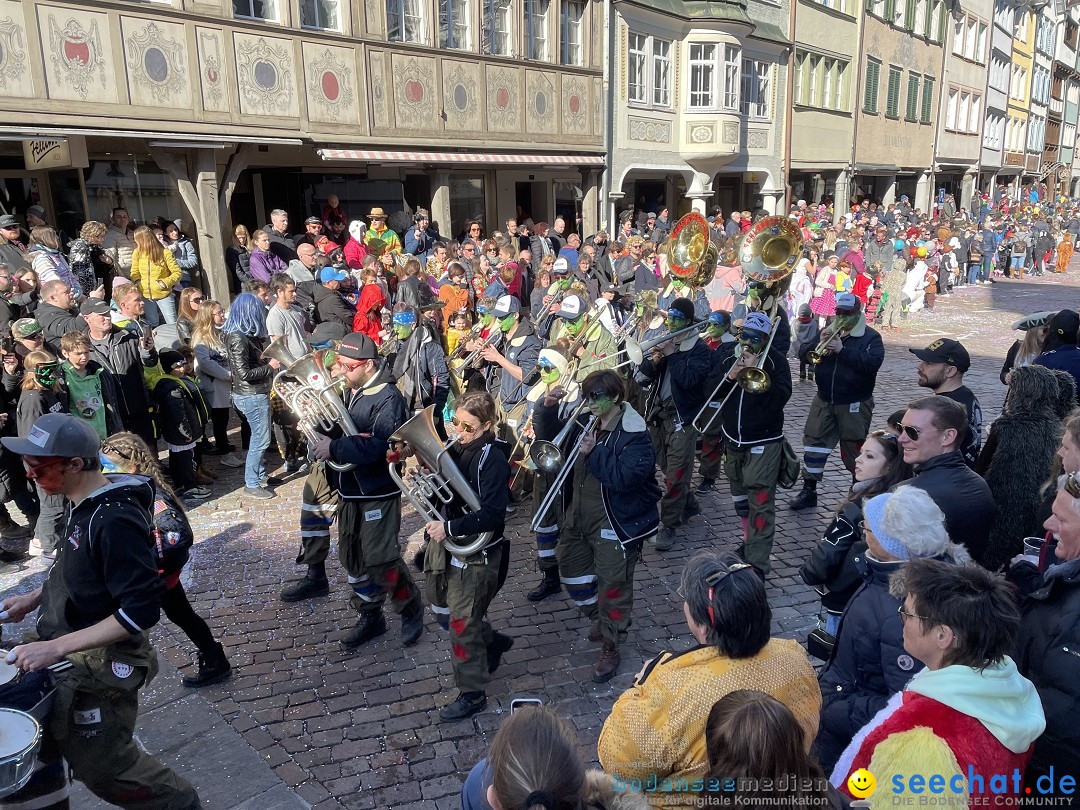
[[360, 730]]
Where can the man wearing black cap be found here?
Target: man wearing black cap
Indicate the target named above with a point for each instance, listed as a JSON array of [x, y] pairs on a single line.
[[1059, 348], [319, 503], [941, 369], [843, 406], [370, 513], [96, 609], [678, 369], [522, 351], [12, 250], [753, 429]]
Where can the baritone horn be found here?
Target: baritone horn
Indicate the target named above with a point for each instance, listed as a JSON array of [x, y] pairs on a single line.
[[436, 479], [308, 390]]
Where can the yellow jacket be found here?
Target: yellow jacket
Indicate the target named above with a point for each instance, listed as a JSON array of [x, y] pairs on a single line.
[[155, 280], [654, 738]]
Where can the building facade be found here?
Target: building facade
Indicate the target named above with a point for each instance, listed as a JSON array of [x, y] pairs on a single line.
[[215, 111], [700, 106], [1015, 161], [996, 125]]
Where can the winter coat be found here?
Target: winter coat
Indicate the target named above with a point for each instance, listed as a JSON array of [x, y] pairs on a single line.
[[155, 280], [657, 727], [883, 252], [33, 404], [869, 663], [419, 244], [263, 264], [368, 307], [1048, 654], [56, 322], [354, 253], [14, 255], [84, 259], [849, 375], [250, 375], [181, 413], [963, 497], [420, 371], [950, 721], [282, 245], [687, 368], [830, 569], [125, 360], [752, 419], [214, 376], [331, 307], [238, 261], [1017, 459], [485, 464], [1065, 357], [121, 246], [184, 252], [624, 463], [50, 265]]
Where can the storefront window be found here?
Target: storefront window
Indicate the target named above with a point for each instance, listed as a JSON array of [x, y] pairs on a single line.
[[132, 183], [466, 202]]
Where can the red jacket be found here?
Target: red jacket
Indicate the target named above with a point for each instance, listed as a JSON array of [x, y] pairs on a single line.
[[860, 286], [354, 254]]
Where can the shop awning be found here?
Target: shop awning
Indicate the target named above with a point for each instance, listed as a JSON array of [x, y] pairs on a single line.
[[472, 158]]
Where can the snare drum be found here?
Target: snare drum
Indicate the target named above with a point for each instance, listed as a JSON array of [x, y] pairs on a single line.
[[20, 738]]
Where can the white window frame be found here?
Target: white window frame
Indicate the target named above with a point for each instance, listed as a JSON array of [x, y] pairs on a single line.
[[572, 32], [732, 72], [959, 26], [661, 72], [950, 108], [455, 25], [975, 122], [270, 8], [497, 26], [535, 29], [637, 67], [401, 9], [971, 27], [756, 88], [702, 75], [321, 24]]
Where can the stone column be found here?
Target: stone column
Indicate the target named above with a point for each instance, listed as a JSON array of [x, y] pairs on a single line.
[[700, 192], [923, 192], [841, 194], [772, 200], [888, 191], [967, 189], [440, 202], [590, 201]]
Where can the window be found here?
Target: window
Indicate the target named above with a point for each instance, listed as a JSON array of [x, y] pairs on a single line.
[[496, 28], [756, 89], [256, 9], [801, 61], [890, 11], [892, 101], [320, 14], [536, 29], [636, 77], [404, 21], [870, 94], [1022, 27], [702, 76], [844, 6], [454, 29], [963, 114], [839, 99], [975, 123], [927, 100], [950, 108], [912, 112], [938, 34], [732, 63], [970, 38], [980, 46], [661, 73], [572, 14], [822, 82], [958, 37], [909, 15]]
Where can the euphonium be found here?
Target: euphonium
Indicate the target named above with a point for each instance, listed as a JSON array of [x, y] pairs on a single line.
[[436, 479], [308, 390]]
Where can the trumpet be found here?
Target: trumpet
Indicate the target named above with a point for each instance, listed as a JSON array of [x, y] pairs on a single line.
[[463, 363], [839, 328], [459, 350], [549, 458]]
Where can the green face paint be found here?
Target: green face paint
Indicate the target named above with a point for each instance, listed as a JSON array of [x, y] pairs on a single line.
[[675, 324], [402, 331], [575, 326], [564, 283], [507, 323], [549, 376], [601, 407]]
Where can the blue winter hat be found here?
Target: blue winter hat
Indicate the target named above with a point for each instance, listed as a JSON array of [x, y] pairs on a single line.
[[874, 513]]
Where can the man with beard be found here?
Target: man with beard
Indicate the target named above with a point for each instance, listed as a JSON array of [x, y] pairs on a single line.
[[941, 369]]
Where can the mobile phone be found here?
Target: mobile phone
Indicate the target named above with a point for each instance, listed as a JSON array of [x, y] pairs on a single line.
[[518, 703], [7, 344]]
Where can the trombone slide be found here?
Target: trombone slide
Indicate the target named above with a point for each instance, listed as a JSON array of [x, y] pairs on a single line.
[[567, 461]]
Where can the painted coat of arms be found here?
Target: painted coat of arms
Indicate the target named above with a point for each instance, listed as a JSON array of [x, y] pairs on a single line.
[[77, 54]]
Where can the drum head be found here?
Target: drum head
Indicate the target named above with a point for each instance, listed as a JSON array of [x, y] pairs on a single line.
[[7, 671], [18, 731]]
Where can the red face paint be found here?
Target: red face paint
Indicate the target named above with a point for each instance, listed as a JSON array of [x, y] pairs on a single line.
[[48, 473]]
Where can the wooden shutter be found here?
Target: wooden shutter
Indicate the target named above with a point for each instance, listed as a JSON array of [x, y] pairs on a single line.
[[873, 72]]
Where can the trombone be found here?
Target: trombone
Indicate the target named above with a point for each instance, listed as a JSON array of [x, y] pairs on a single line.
[[839, 328], [549, 458], [752, 379]]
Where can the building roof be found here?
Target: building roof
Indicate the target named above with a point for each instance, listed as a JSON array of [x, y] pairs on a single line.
[[730, 10]]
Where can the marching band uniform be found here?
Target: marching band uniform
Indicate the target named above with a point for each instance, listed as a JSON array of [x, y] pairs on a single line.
[[711, 456], [369, 516], [598, 350], [753, 426], [612, 511], [844, 404], [460, 591], [678, 392], [522, 349]]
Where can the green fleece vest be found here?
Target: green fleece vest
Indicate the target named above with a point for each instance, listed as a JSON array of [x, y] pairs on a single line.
[[87, 398]]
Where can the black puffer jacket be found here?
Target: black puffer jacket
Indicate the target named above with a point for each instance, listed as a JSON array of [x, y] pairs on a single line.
[[849, 375], [830, 569], [250, 375], [377, 411], [963, 497], [869, 663], [1048, 654], [330, 307]]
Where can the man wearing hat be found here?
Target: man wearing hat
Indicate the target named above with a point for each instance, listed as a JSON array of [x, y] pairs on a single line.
[[328, 296], [379, 230], [518, 360], [609, 303], [843, 406], [369, 516], [1059, 350], [12, 250], [590, 345], [319, 502], [752, 423], [678, 369], [420, 364], [660, 226], [546, 311], [96, 610], [315, 237], [941, 369]]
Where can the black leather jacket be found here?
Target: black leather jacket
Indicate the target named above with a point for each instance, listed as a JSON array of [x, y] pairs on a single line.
[[250, 375]]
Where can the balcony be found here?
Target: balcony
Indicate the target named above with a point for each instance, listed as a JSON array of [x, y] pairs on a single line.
[[1057, 106]]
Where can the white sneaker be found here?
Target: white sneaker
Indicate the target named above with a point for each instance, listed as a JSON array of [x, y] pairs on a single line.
[[36, 550], [232, 460]]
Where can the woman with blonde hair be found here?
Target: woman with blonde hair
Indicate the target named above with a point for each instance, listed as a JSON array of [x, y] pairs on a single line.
[[49, 262], [154, 271], [238, 255], [191, 299], [89, 261], [214, 376]]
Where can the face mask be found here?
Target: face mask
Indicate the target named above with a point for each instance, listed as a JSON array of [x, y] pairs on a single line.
[[46, 374], [403, 332], [507, 323]]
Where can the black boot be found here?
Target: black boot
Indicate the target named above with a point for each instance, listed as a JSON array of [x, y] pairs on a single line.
[[500, 643], [312, 585], [806, 498], [706, 485], [466, 705], [412, 624], [213, 668], [368, 627], [548, 586]]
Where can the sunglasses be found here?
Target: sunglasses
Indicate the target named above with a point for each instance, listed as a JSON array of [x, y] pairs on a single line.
[[712, 580], [36, 466], [911, 431], [465, 428], [195, 300], [598, 394], [110, 450], [350, 365]]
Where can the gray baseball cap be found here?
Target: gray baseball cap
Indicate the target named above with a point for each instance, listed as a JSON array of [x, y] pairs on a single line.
[[57, 434]]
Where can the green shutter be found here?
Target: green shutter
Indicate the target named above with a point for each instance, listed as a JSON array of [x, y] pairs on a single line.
[[941, 22], [869, 6], [912, 98], [870, 94], [927, 99], [890, 11], [892, 102]]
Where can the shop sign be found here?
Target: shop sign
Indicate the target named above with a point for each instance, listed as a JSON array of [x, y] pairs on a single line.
[[54, 153]]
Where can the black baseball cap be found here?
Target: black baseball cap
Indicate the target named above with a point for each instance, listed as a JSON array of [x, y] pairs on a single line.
[[358, 346], [945, 350], [1066, 325], [683, 308]]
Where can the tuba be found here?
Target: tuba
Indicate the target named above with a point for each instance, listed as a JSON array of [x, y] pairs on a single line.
[[436, 479], [691, 256], [307, 389]]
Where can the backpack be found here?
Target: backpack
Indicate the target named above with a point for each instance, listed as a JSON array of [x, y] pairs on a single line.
[[1020, 244], [173, 537]]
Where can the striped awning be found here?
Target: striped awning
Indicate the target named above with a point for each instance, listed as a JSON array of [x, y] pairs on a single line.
[[519, 158]]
